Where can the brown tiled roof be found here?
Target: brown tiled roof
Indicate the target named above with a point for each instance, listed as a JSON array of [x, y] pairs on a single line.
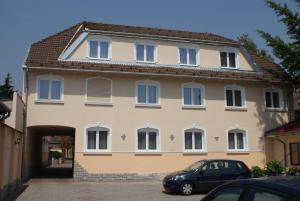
[[289, 128], [45, 53]]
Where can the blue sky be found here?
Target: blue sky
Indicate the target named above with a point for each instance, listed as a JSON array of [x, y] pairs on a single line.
[[25, 22]]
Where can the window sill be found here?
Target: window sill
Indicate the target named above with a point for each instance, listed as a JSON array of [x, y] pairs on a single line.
[[101, 59], [194, 153], [146, 62], [193, 107], [98, 104], [189, 65], [58, 102], [230, 68], [236, 108], [148, 105], [97, 153], [275, 110], [147, 153], [233, 152]]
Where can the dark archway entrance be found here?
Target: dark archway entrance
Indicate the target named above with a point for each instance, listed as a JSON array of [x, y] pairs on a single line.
[[43, 143]]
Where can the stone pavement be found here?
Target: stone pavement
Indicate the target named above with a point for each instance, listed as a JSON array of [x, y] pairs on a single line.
[[67, 189]]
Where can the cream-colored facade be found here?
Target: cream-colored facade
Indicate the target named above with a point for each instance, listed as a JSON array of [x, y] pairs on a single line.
[[122, 116]]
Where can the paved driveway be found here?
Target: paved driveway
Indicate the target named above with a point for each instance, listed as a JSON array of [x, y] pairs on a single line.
[[51, 189]]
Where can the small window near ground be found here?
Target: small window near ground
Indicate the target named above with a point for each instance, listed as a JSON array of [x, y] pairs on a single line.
[[145, 53], [228, 59], [97, 139], [295, 153], [235, 96], [188, 56], [273, 99], [49, 87], [194, 140], [147, 92], [147, 139], [237, 140], [98, 90]]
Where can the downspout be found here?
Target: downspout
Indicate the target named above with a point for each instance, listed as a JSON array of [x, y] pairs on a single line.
[[284, 150], [25, 88]]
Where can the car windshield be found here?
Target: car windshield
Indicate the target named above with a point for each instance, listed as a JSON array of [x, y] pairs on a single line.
[[195, 166]]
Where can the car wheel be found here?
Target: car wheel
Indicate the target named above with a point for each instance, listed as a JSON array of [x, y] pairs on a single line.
[[187, 188]]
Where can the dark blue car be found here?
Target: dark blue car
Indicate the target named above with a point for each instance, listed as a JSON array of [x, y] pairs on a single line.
[[202, 176], [276, 188]]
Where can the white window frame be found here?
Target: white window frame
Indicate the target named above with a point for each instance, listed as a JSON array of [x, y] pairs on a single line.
[[147, 83], [245, 139], [188, 54], [145, 43], [158, 140], [193, 85], [281, 101], [98, 127], [98, 103], [243, 96], [99, 39], [50, 78], [193, 150], [229, 50]]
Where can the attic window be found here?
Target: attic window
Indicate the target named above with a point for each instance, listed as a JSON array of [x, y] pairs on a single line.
[[99, 49], [228, 59]]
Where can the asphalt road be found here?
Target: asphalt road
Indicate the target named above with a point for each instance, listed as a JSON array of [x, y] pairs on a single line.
[[63, 189]]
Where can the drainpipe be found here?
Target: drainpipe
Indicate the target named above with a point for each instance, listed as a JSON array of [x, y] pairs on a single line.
[[284, 150], [25, 92]]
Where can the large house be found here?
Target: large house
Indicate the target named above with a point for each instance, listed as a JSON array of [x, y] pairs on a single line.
[[145, 101]]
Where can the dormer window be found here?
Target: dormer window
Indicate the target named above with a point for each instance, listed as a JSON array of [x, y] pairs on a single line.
[[228, 59], [99, 49], [188, 56], [145, 53]]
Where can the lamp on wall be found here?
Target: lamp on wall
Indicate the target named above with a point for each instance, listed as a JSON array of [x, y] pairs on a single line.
[[217, 138], [18, 140], [172, 137], [123, 137]]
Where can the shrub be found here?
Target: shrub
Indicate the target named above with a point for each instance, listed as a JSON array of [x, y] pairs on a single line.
[[56, 154], [274, 167], [293, 171], [257, 172]]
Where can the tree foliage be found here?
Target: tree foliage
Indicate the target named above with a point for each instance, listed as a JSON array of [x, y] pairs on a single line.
[[7, 89], [287, 52], [249, 44]]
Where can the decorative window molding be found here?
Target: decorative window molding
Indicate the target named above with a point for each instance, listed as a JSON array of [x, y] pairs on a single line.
[[273, 99], [49, 88], [194, 140], [225, 58], [98, 91], [97, 139], [188, 55], [235, 97], [147, 140], [189, 93], [99, 47], [148, 52], [237, 140], [147, 93]]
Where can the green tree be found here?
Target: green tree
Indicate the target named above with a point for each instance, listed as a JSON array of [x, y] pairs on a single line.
[[249, 44], [7, 89], [287, 52]]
